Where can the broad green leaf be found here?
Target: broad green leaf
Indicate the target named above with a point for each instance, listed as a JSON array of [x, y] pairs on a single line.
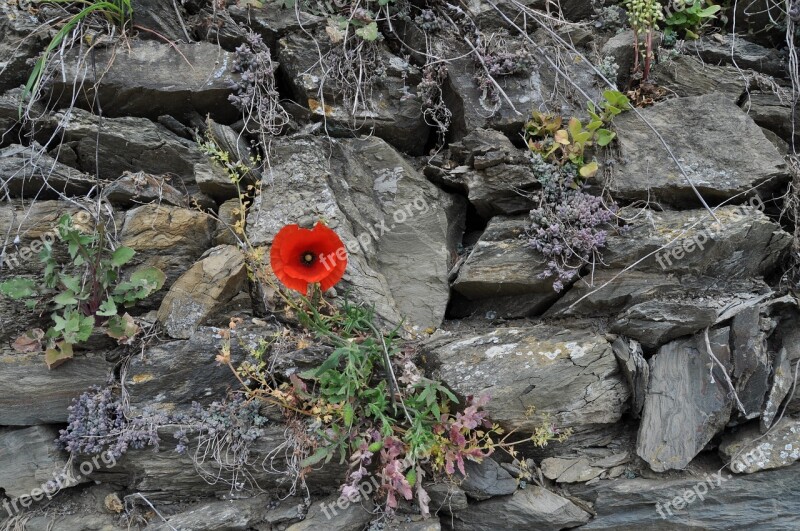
[[66, 298], [58, 354], [316, 457], [154, 277], [347, 415], [85, 327], [574, 127], [122, 328], [448, 394], [589, 170], [617, 99], [677, 19], [594, 125], [330, 363], [72, 249], [604, 137], [561, 137], [122, 256], [411, 477], [17, 288], [710, 11], [72, 283], [107, 308], [368, 32]]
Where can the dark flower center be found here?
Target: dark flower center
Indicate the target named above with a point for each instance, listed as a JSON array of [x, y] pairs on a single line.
[[307, 258]]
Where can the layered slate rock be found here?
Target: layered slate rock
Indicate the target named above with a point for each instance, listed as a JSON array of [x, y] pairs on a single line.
[[488, 18], [210, 283], [166, 237], [727, 153], [747, 450], [533, 507], [781, 385], [31, 394], [496, 176], [636, 370], [325, 514], [169, 475], [23, 38], [393, 222], [272, 22], [171, 375], [28, 171], [773, 113], [487, 479], [714, 270], [9, 112], [181, 79], [730, 49], [533, 86], [388, 110], [502, 274], [741, 243], [751, 362], [137, 188], [162, 17], [126, 144], [684, 407], [633, 504], [570, 470], [234, 515], [517, 365], [686, 75], [29, 459]]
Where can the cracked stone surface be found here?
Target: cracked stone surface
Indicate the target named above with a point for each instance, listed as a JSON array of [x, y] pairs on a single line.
[[517, 366], [211, 282], [531, 508], [181, 79], [169, 238], [127, 144], [393, 221], [501, 274], [733, 157], [684, 407], [747, 451]]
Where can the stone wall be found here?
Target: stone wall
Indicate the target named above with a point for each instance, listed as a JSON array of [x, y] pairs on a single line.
[[673, 360]]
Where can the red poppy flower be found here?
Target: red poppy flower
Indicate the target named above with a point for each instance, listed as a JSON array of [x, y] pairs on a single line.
[[300, 257]]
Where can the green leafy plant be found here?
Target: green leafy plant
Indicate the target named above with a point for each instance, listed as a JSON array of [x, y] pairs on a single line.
[[84, 290], [241, 174], [400, 428], [643, 16], [687, 19], [547, 137], [115, 12]]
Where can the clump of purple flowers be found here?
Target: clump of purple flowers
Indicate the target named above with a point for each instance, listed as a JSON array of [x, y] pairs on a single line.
[[256, 94], [238, 420], [97, 424], [568, 225]]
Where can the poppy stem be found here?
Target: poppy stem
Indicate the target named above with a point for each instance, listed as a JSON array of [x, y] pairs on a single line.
[[316, 294], [393, 387]]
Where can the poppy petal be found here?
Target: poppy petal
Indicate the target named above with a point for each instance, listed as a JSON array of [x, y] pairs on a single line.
[[290, 246]]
